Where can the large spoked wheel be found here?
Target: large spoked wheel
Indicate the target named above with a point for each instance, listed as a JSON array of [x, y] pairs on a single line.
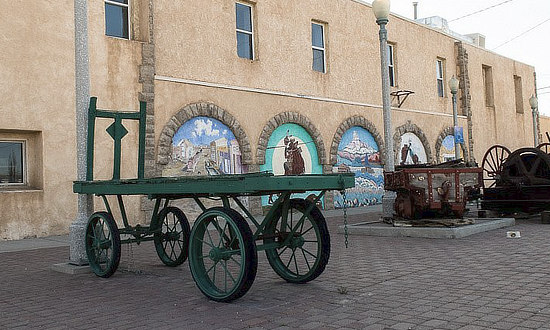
[[102, 244], [171, 236], [527, 166], [492, 164], [303, 255], [544, 147], [222, 254]]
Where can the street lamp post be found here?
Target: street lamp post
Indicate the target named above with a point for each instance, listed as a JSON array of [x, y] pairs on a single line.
[[453, 84], [381, 9], [534, 103]]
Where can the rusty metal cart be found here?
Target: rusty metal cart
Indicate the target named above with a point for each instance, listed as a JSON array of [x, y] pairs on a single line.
[[441, 190], [221, 246]]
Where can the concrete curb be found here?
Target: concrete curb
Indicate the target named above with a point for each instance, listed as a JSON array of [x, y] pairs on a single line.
[[386, 230], [34, 243]]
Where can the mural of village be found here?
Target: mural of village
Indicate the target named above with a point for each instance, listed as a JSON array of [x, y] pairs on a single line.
[[204, 146], [290, 151], [447, 151], [358, 152]]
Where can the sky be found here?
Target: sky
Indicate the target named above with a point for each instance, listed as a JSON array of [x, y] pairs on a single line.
[[506, 28]]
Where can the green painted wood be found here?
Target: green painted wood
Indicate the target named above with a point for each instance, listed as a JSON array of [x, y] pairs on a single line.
[[237, 184], [90, 141], [117, 131]]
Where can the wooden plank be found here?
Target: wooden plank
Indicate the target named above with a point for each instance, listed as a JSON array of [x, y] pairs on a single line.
[[239, 184]]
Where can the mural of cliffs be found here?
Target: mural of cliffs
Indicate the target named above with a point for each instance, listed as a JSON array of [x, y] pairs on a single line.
[[358, 152]]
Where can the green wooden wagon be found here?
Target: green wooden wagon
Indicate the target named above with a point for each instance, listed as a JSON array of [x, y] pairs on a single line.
[[221, 246]]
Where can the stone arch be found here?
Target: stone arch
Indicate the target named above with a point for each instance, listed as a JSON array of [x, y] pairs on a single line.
[[284, 118], [409, 127], [444, 133], [195, 110], [349, 123]]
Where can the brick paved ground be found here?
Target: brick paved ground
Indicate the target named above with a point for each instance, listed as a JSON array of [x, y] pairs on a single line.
[[479, 282]]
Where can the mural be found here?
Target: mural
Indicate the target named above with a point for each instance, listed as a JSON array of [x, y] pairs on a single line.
[[204, 146], [447, 150], [290, 151], [411, 150], [358, 152]]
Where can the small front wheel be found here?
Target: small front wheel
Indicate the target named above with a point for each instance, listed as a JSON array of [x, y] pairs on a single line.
[[171, 236], [222, 254], [102, 244], [303, 242]]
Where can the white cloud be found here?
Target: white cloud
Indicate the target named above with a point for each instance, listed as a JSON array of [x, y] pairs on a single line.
[[205, 127]]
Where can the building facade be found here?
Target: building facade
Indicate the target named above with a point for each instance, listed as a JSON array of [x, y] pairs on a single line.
[[291, 87]]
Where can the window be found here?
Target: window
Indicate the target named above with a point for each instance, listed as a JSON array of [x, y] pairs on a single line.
[[318, 45], [11, 162], [519, 94], [245, 35], [391, 65], [488, 86], [440, 68], [116, 18]]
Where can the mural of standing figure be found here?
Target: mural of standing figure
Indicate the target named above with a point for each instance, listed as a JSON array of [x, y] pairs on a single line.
[[406, 151], [294, 164]]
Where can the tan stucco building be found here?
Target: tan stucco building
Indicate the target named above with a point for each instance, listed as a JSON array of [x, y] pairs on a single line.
[[185, 61], [544, 129]]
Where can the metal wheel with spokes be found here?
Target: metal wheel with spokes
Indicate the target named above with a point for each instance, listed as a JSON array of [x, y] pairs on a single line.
[[222, 254], [171, 236], [102, 244], [544, 147], [304, 242], [492, 164]]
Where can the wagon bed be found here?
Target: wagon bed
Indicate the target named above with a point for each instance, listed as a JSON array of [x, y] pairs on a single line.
[[250, 184]]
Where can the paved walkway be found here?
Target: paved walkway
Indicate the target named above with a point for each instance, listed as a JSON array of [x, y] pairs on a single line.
[[484, 281]]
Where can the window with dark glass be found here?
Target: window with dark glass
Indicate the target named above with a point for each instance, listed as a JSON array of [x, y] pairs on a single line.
[[318, 46], [245, 34], [11, 162], [519, 94], [440, 84], [116, 18], [488, 85], [391, 65]]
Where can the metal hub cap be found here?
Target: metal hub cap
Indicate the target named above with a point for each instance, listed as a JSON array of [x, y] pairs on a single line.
[[297, 242]]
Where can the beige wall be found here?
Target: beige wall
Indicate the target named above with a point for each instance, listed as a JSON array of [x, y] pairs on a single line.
[[500, 124], [195, 44], [204, 48], [207, 52], [544, 128], [37, 92]]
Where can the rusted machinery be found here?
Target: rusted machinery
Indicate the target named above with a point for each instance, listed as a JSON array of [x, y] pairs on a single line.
[[516, 181], [441, 190]]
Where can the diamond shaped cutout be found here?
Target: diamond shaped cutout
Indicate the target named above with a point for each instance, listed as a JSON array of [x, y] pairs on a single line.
[[117, 130]]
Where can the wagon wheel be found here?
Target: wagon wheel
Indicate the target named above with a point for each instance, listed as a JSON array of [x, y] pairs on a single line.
[[222, 254], [405, 206], [492, 164], [171, 236], [544, 147], [102, 244], [527, 166], [306, 254]]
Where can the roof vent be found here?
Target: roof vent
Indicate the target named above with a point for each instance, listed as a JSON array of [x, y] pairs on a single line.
[[478, 39]]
